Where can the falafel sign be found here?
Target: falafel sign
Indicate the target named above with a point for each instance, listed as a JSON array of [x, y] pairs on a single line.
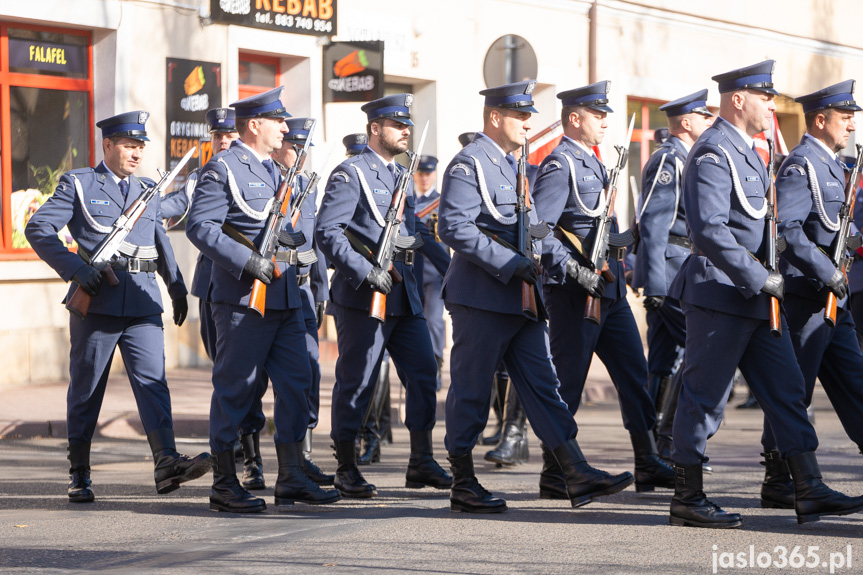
[[313, 17], [193, 87], [353, 71]]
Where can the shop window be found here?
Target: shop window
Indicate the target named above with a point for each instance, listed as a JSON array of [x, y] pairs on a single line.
[[46, 127], [257, 74]]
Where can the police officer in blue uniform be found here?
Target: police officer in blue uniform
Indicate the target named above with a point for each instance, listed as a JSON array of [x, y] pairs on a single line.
[[314, 287], [725, 292], [426, 193], [350, 223], [569, 196], [810, 190], [511, 448], [482, 290], [175, 206], [129, 315], [376, 426], [663, 246], [230, 208]]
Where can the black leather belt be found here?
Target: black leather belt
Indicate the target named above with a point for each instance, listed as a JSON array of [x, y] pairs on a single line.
[[681, 241], [406, 256], [134, 265]]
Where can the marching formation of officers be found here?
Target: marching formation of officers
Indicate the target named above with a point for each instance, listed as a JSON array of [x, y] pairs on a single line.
[[702, 264]]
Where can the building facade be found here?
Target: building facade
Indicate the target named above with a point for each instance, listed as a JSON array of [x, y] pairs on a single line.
[[65, 65]]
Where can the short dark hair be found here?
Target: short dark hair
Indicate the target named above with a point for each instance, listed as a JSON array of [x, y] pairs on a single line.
[[809, 117], [242, 124]]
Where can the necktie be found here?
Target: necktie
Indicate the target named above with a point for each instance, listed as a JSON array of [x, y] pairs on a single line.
[[394, 173], [512, 163], [268, 163], [124, 187]]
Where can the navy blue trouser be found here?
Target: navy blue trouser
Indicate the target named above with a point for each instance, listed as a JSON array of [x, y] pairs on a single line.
[[481, 339], [666, 331], [830, 354], [248, 348], [361, 342], [142, 344], [716, 344], [618, 345]]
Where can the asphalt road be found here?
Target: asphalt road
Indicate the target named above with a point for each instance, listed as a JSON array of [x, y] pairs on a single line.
[[130, 529]]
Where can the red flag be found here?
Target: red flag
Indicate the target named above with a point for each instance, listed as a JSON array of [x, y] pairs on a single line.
[[544, 142], [761, 142]]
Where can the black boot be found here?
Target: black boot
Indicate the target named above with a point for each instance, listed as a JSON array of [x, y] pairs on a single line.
[[552, 484], [293, 484], [253, 465], [812, 498], [423, 470], [348, 479], [690, 506], [583, 482], [650, 471], [512, 448], [172, 469], [227, 494], [498, 399], [777, 491], [310, 467], [467, 494], [370, 451], [79, 490]]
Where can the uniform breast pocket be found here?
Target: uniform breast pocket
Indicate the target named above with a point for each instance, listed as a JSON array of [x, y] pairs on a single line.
[[104, 213], [589, 188], [754, 194], [256, 195]]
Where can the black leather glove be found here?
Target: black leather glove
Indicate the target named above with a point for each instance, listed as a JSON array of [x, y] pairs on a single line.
[[653, 302], [260, 268], [775, 285], [526, 270], [592, 282], [181, 309], [319, 312], [380, 279], [89, 278], [838, 284]]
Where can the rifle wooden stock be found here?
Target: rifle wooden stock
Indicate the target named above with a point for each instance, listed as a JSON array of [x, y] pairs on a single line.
[[428, 209], [78, 303], [592, 308], [378, 309], [830, 310]]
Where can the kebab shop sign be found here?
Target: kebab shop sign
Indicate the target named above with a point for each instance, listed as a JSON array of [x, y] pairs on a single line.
[[353, 71], [193, 87], [314, 17]]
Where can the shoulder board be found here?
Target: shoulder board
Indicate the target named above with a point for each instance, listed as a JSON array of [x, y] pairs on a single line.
[[78, 171]]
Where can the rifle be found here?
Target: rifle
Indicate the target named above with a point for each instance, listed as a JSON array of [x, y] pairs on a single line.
[[771, 262], [599, 252], [432, 224], [282, 201], [107, 251], [392, 222], [843, 242], [525, 243], [313, 179]]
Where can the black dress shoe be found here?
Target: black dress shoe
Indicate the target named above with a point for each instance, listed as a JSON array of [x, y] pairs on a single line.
[[171, 468], [310, 467], [750, 403]]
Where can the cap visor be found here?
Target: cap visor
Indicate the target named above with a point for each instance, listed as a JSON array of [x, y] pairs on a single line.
[[602, 108]]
